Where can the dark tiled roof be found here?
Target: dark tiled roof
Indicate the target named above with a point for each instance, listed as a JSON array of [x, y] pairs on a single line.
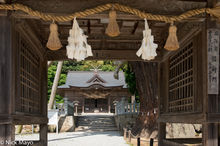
[[86, 78]]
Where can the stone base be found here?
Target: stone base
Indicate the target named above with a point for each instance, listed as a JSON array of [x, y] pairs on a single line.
[[67, 124]]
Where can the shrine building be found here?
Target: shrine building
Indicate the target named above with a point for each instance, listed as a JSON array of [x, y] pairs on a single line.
[[96, 92]]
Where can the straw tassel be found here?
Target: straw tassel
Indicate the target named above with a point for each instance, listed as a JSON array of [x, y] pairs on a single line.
[[172, 43], [112, 29], [53, 42]]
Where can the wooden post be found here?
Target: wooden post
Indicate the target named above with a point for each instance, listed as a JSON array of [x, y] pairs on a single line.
[[210, 130], [151, 142], [43, 134], [44, 127], [6, 80], [210, 134], [138, 141], [161, 133]]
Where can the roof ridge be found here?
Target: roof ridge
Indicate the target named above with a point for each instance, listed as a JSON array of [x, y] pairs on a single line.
[[92, 71]]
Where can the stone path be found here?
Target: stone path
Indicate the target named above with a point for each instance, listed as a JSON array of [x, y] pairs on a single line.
[[109, 138]]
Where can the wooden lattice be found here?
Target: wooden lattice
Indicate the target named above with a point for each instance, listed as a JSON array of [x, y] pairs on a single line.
[[28, 100], [181, 81]]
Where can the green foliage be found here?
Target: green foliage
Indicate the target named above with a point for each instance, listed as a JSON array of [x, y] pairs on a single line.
[[75, 66], [131, 81]]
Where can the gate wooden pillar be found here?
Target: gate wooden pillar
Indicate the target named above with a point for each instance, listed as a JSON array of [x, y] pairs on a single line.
[[6, 86], [23, 80], [212, 103]]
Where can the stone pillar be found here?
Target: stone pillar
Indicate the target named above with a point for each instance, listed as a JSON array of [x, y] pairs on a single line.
[[65, 105], [76, 110], [122, 105], [83, 105], [109, 105], [132, 98]]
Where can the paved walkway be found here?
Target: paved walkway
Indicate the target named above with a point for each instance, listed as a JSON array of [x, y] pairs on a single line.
[[110, 138]]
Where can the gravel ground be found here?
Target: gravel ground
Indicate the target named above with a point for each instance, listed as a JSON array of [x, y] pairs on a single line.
[[110, 138]]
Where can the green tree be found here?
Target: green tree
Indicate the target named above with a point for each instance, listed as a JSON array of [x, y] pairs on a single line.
[[131, 81]]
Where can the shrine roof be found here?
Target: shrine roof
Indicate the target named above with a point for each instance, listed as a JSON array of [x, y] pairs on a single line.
[[84, 79]]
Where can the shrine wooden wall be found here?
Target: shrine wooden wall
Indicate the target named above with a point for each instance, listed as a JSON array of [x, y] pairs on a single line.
[[23, 76], [183, 80]]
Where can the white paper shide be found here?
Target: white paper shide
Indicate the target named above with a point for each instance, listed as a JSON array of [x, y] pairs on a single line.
[[77, 47], [148, 48]]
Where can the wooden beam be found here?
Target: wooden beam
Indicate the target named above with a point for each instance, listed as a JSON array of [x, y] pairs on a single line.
[[5, 119], [192, 0], [32, 119], [2, 1], [129, 55], [193, 118], [162, 7]]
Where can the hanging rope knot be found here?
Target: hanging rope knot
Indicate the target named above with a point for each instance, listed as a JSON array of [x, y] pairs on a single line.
[[53, 40], [172, 43], [112, 29]]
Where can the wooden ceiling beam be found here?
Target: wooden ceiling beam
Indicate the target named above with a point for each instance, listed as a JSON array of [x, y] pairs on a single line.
[[193, 0], [128, 55], [4, 1], [159, 6]]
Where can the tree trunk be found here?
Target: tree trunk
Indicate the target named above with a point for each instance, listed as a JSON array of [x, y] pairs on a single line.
[[146, 82], [55, 84]]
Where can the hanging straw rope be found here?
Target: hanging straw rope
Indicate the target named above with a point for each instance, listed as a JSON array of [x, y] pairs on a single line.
[[47, 17], [113, 29]]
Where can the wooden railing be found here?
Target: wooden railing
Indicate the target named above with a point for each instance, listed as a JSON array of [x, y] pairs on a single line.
[[123, 107], [128, 136]]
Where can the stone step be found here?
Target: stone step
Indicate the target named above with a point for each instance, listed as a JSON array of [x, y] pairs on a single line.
[[85, 119], [84, 128], [93, 124], [96, 130], [96, 123]]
